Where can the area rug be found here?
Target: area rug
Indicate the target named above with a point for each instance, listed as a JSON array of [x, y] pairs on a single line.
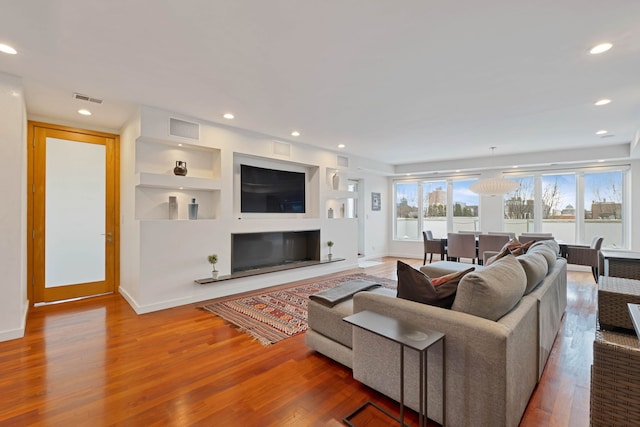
[[279, 314]]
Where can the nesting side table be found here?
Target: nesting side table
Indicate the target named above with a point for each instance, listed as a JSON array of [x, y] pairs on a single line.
[[406, 335]]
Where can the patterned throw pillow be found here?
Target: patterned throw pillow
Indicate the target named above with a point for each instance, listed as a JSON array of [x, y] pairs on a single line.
[[523, 248], [451, 277], [512, 243], [414, 285]]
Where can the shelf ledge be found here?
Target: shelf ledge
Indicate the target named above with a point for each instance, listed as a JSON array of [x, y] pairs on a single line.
[[156, 180], [266, 270]]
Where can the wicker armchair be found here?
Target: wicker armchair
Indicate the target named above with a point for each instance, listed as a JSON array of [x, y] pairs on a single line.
[[431, 246], [586, 255], [615, 380]]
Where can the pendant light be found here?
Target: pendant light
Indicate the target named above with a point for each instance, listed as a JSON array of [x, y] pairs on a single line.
[[493, 186]]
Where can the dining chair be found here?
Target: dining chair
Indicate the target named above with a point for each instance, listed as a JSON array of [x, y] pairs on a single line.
[[511, 234], [431, 246], [461, 245], [527, 237], [490, 242]]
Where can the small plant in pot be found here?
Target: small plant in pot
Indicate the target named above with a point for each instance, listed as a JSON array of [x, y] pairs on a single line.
[[330, 244], [213, 259]]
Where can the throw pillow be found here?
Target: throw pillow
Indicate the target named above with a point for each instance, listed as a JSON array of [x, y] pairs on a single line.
[[451, 277], [503, 252], [493, 292], [416, 286], [523, 248], [512, 243]]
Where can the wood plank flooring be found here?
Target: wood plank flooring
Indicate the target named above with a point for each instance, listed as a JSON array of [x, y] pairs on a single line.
[[96, 363]]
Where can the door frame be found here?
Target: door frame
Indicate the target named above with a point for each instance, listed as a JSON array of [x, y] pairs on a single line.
[[31, 189]]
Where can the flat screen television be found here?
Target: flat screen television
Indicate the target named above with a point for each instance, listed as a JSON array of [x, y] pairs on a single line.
[[271, 191]]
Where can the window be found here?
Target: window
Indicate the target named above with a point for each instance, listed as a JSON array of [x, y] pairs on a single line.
[[603, 207], [407, 211], [465, 207], [442, 205], [574, 206], [559, 206], [519, 211], [434, 217]]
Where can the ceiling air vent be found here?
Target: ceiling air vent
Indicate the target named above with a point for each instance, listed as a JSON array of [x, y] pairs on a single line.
[[343, 161], [281, 148], [87, 98], [184, 129]]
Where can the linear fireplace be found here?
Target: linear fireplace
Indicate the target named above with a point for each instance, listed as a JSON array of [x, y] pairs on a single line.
[[253, 251]]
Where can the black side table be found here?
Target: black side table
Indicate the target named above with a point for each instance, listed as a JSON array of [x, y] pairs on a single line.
[[406, 335]]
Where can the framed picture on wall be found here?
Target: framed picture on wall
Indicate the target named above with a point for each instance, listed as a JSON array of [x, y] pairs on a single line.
[[375, 202]]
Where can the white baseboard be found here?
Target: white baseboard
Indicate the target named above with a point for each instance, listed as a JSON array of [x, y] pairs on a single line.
[[13, 334], [247, 284]]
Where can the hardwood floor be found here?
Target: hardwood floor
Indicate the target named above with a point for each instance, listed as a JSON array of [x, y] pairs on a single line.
[[95, 362]]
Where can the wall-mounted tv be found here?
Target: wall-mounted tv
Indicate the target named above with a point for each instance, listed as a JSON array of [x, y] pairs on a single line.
[[271, 191]]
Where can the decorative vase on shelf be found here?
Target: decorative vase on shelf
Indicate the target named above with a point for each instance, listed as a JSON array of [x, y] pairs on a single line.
[[335, 181], [329, 256], [180, 169], [214, 274], [173, 207], [193, 209], [342, 211], [330, 213]]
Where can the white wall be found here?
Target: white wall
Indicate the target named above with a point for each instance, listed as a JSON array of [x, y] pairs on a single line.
[[161, 258], [13, 211]]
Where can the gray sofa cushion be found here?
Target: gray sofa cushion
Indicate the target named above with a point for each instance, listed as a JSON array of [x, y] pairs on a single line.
[[546, 251], [492, 292], [535, 268]]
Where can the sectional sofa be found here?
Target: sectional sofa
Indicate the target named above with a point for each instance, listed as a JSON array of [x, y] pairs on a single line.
[[494, 360]]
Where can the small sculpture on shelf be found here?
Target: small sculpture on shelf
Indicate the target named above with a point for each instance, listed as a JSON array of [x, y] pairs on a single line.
[[213, 259], [335, 181], [330, 245], [180, 169]]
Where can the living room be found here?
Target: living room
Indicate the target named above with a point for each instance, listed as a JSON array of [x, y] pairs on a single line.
[[389, 116]]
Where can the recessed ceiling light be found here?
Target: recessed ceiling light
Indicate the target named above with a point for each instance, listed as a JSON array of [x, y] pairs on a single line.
[[295, 133], [228, 116], [515, 166], [602, 47], [457, 170], [601, 160], [179, 145], [84, 112], [340, 145], [5, 48], [601, 132], [601, 102], [180, 188]]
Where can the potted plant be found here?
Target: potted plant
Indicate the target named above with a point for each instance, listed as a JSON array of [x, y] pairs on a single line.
[[213, 259], [330, 244]]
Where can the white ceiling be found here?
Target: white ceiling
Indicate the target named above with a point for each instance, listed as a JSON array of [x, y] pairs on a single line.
[[395, 81]]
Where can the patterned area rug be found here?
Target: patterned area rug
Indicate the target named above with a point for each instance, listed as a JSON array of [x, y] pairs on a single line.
[[280, 314]]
